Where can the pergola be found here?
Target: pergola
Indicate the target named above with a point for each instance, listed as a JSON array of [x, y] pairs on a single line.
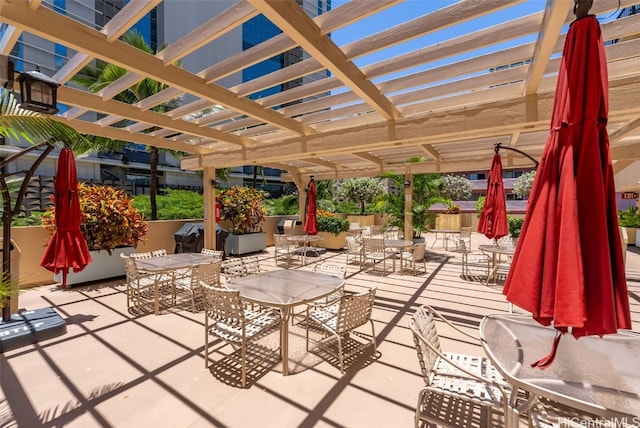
[[448, 102]]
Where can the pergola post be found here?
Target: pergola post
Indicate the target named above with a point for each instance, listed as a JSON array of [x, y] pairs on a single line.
[[209, 194], [408, 202], [302, 195]]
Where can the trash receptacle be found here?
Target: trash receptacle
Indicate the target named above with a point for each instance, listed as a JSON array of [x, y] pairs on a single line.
[[15, 270]]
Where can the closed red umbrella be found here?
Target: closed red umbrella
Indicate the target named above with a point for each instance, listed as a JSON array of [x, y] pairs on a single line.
[[493, 219], [311, 221], [67, 248], [568, 269]]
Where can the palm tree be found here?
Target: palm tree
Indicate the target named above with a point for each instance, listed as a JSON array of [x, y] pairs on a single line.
[[98, 76]]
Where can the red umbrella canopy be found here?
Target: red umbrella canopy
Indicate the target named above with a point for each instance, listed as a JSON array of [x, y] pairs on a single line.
[[67, 248], [311, 221], [568, 269], [493, 220]]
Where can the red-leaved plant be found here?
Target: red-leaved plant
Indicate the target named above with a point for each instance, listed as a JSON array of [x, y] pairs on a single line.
[[109, 219]]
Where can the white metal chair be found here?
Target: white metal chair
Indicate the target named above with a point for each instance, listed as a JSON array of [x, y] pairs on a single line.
[[354, 249], [229, 319], [340, 320], [250, 265], [140, 286], [416, 255], [333, 270], [464, 235], [375, 251], [232, 268], [285, 249], [199, 275], [460, 390], [474, 261], [219, 254]]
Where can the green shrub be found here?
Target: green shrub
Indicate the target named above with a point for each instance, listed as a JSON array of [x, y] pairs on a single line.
[[515, 226], [629, 217], [334, 225], [174, 205]]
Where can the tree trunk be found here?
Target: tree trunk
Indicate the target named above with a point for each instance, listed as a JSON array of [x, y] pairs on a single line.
[[153, 187]]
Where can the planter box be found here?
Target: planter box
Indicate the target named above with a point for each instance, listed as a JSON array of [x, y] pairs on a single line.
[[103, 266], [448, 222], [244, 244], [632, 236], [333, 242], [364, 220]]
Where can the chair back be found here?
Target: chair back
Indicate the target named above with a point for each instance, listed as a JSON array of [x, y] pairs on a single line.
[[392, 232], [465, 233], [331, 269], [207, 274], [373, 245], [464, 249], [418, 251], [375, 230], [145, 255], [251, 265], [223, 305], [426, 339], [130, 268], [280, 241], [352, 244], [354, 310], [233, 268], [159, 253], [214, 253]]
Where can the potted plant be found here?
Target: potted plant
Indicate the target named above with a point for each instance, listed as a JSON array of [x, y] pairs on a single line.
[[360, 190], [244, 208], [630, 220], [110, 225], [333, 229], [450, 219], [515, 226]]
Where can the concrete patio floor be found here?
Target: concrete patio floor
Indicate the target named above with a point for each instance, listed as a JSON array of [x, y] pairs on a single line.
[[112, 369]]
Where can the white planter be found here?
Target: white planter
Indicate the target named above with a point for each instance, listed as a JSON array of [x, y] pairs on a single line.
[[103, 266], [333, 242], [244, 244]]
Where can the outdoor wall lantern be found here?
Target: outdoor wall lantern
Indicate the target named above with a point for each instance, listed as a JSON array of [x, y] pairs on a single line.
[[215, 184], [407, 184], [38, 92]]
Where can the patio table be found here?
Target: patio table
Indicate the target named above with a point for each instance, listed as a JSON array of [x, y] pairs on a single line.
[[496, 251], [397, 244], [306, 241], [284, 289], [442, 235], [594, 375], [171, 264]]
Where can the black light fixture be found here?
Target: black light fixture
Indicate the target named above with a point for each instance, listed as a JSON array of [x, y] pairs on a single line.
[[407, 184], [215, 184], [38, 92]]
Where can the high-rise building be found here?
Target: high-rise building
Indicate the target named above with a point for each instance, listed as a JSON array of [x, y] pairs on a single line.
[[164, 25]]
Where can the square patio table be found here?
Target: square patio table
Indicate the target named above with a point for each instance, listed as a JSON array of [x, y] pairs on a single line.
[[170, 264], [284, 289]]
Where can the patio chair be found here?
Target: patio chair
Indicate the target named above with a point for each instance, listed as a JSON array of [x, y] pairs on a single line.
[[285, 249], [354, 249], [376, 231], [229, 319], [339, 320], [464, 236], [250, 265], [204, 274], [391, 232], [460, 390], [232, 268], [140, 286], [415, 255], [327, 269], [219, 254], [375, 251], [474, 260]]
